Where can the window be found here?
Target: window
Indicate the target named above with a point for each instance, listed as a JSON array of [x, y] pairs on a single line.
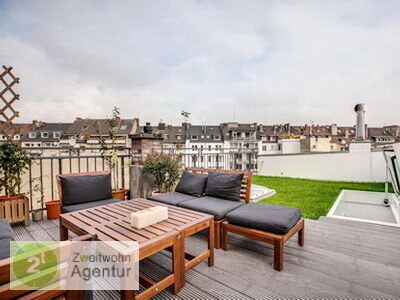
[[56, 134], [85, 127], [32, 135], [209, 147], [217, 137], [123, 127], [45, 134], [166, 136], [194, 137], [2, 137], [194, 147], [178, 137], [314, 146], [264, 148], [17, 137], [331, 147]]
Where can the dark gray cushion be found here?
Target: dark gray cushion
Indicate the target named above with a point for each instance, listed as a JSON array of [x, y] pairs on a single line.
[[191, 184], [5, 229], [173, 198], [86, 205], [224, 186], [265, 217], [213, 206], [5, 248], [87, 188]]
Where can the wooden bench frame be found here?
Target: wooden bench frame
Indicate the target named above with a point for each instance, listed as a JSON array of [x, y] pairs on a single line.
[[277, 240], [244, 194]]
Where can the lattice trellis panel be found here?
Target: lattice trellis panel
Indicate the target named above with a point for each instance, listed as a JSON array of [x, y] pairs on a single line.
[[8, 97]]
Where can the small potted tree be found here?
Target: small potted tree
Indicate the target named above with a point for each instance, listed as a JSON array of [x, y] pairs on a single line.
[[110, 153], [37, 213], [165, 168], [13, 163]]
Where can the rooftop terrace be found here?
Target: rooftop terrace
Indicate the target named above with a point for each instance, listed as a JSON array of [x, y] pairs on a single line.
[[340, 259]]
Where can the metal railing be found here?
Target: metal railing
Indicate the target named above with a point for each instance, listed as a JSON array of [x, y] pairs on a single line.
[[217, 158], [49, 162]]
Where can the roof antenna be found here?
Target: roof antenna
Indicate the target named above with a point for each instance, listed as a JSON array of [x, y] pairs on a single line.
[[234, 111]]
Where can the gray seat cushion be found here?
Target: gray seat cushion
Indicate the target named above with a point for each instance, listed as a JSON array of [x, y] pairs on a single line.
[[224, 185], [5, 229], [271, 218], [213, 206], [5, 247], [173, 198], [86, 205], [86, 188], [6, 236], [191, 184]]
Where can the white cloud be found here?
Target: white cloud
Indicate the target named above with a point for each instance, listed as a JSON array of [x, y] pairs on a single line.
[[270, 61]]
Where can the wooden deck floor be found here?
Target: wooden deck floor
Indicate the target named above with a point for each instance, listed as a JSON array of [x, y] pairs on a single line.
[[341, 259]]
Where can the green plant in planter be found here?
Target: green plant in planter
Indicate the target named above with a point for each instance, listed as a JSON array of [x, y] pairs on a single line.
[[13, 163], [110, 153], [165, 168]]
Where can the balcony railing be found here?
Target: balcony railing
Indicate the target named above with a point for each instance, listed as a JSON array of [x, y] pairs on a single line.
[[41, 174], [217, 158]]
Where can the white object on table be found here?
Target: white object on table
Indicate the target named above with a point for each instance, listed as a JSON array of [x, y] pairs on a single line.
[[149, 216]]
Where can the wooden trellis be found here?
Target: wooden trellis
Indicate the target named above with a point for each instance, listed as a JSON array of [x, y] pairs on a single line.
[[8, 97]]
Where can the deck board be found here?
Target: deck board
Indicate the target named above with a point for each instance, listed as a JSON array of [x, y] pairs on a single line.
[[341, 259]]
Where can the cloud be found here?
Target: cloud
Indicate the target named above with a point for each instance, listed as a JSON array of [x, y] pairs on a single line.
[[264, 61]]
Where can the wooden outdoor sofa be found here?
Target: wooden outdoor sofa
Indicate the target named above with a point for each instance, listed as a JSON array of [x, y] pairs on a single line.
[[271, 224], [89, 190], [245, 191], [184, 201]]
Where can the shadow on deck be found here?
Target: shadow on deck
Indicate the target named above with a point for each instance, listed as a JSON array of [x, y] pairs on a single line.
[[340, 259]]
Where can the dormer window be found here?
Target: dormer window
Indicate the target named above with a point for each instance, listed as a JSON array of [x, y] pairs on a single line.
[[45, 135], [178, 137], [123, 127], [217, 137], [85, 127], [56, 134], [32, 135], [17, 137], [194, 137]]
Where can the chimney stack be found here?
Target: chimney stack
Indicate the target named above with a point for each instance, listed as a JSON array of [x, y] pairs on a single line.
[[360, 127], [334, 129]]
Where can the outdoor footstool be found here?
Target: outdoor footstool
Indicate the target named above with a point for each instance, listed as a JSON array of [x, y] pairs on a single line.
[[271, 224]]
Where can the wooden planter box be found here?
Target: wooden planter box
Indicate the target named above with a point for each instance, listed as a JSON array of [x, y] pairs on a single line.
[[15, 209]]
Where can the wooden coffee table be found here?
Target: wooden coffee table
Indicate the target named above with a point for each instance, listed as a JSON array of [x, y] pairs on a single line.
[[112, 223]]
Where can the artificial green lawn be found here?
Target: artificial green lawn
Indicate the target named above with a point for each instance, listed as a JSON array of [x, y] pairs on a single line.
[[314, 198]]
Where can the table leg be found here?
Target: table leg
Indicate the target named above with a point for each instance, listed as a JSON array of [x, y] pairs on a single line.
[[178, 262], [128, 295], [63, 232], [211, 239]]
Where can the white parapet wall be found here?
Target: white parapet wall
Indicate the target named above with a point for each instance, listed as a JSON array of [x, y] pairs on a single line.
[[359, 164]]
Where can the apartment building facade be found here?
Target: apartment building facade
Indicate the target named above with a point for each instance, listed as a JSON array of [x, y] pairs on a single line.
[[89, 133]]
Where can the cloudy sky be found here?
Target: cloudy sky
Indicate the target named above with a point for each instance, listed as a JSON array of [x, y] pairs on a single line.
[[263, 61]]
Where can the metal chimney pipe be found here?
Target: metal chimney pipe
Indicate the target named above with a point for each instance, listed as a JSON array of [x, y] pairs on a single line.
[[360, 125]]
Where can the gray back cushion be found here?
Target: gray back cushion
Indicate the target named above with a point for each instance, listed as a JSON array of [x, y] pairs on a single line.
[[86, 188], [223, 185], [191, 184]]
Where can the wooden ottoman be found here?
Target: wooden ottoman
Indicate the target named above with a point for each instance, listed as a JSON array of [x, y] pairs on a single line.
[[271, 224]]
